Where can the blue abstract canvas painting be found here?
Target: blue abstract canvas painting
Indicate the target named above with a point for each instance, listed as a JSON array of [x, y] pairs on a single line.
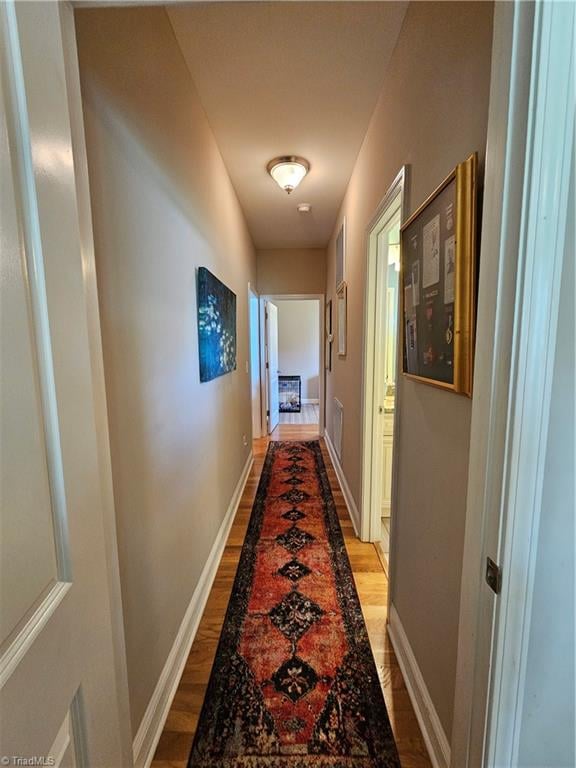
[[216, 326]]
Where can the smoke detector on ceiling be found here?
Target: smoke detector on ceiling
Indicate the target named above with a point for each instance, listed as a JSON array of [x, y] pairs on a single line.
[[304, 207]]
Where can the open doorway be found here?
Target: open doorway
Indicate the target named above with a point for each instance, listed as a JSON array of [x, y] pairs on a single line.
[[381, 371], [255, 388], [293, 355]]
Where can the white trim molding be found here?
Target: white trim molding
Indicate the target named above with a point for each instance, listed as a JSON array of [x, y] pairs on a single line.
[[549, 148], [433, 733], [36, 622], [371, 363], [504, 178], [274, 298], [74, 95], [152, 724], [346, 492], [530, 140]]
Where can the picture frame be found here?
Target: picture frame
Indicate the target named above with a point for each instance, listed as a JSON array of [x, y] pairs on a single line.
[[329, 337], [341, 256], [438, 253], [342, 300], [216, 314]]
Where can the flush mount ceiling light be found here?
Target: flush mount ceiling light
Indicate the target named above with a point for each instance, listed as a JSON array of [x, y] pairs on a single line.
[[288, 171]]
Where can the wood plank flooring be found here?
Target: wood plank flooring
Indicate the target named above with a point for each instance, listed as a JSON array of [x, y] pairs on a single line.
[[176, 740], [309, 414]]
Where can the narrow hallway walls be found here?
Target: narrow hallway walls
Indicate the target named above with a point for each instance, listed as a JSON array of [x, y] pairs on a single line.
[[432, 114], [162, 206]]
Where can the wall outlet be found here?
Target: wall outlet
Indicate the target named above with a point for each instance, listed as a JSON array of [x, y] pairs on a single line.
[[244, 440]]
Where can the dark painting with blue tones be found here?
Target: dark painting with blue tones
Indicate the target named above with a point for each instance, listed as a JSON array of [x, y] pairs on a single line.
[[216, 326]]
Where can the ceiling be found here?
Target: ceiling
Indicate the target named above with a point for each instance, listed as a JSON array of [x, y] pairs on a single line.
[[279, 78]]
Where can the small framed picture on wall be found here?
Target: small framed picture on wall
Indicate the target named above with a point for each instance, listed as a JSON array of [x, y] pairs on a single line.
[[342, 317], [341, 257], [329, 336]]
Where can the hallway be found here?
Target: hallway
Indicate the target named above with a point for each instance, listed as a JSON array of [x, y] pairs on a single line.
[[387, 579], [175, 742]]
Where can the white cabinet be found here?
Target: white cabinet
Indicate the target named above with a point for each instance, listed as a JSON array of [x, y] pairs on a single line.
[[387, 459]]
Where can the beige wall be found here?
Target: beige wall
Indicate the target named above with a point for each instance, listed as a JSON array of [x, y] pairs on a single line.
[[291, 270], [432, 113], [163, 205], [299, 343]]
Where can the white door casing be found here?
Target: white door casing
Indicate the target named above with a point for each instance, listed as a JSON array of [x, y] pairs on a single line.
[[373, 389], [272, 365], [530, 138], [549, 154], [276, 297], [255, 387], [59, 688]]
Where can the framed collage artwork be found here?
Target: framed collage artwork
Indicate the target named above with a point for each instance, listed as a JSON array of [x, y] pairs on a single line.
[[438, 283]]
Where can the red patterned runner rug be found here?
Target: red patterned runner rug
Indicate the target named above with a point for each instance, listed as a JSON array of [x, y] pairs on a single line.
[[294, 684]]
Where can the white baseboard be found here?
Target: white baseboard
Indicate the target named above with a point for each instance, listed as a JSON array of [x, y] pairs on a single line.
[[430, 725], [310, 401], [346, 492], [157, 710]]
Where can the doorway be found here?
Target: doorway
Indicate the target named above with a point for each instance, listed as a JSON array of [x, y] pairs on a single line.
[[381, 371], [293, 355], [255, 388]]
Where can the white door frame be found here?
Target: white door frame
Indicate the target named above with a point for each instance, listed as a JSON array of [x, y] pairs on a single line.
[[371, 361], [70, 52], [66, 132], [272, 400], [287, 297], [530, 135], [253, 294]]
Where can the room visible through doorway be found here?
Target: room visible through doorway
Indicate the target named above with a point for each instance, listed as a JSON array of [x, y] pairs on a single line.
[[381, 371], [294, 370]]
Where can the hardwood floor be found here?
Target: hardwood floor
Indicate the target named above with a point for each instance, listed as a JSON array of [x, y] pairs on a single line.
[[176, 740], [309, 414]]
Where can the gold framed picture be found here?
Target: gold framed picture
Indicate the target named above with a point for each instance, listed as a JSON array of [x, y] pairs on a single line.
[[342, 319], [438, 279]]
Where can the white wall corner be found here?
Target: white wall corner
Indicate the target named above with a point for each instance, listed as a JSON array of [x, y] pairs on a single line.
[[433, 733], [346, 492], [152, 724]]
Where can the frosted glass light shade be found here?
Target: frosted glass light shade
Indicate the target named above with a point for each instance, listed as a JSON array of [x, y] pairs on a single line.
[[288, 172]]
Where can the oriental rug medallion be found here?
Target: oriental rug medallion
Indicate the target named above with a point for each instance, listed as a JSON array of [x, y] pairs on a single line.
[[294, 683]]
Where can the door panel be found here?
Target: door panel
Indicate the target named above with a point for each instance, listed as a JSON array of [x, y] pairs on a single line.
[[58, 691], [27, 530], [63, 749], [272, 362]]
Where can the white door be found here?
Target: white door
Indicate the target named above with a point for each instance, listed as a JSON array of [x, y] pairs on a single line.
[[272, 365], [254, 305], [58, 690], [386, 255]]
